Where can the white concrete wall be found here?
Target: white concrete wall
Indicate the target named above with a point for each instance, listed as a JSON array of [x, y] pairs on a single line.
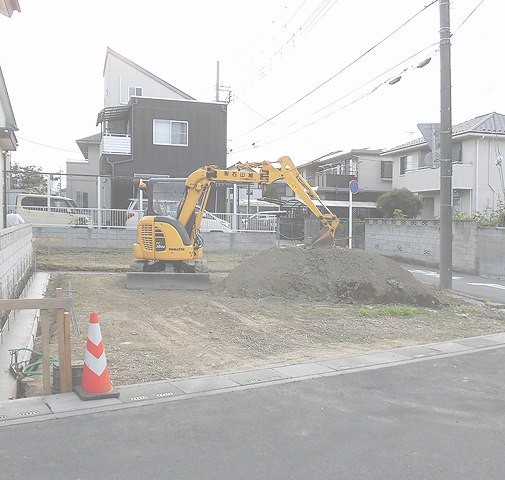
[[16, 258], [475, 250]]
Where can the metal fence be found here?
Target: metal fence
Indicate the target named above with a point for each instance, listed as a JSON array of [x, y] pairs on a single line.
[[121, 218]]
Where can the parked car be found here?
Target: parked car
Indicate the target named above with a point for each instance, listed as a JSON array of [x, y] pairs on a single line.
[[266, 221], [134, 212], [213, 223], [209, 221], [64, 211]]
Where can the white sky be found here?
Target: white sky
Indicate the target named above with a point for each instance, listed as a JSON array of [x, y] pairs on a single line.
[[271, 53]]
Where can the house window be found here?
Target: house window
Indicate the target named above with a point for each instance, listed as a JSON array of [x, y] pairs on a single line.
[[170, 132], [456, 204], [405, 164], [134, 92], [386, 169], [82, 199]]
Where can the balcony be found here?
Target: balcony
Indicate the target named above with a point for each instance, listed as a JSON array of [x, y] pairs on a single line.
[[116, 144]]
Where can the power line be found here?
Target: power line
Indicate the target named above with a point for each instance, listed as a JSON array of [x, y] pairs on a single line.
[[257, 143], [47, 146], [341, 71]]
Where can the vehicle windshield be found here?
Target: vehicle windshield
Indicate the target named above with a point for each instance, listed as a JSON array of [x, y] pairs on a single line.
[[167, 196]]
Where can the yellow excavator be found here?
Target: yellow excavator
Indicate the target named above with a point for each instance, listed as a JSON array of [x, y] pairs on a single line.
[[168, 241]]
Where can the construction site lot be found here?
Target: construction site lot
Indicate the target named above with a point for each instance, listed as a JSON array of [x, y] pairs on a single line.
[[281, 306]]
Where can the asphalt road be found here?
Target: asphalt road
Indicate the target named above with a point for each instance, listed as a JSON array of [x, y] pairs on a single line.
[[478, 287], [436, 418]]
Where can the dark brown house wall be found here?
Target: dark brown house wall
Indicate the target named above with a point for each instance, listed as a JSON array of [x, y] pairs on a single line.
[[207, 128], [206, 136]]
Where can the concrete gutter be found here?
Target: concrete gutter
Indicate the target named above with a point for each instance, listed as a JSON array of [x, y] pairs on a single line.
[[20, 332]]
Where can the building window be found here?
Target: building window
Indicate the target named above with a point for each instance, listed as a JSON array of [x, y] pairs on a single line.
[[456, 204], [82, 199], [386, 169], [405, 164], [170, 132], [134, 92]]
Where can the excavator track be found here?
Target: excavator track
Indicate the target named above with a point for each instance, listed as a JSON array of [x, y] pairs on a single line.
[[144, 275]]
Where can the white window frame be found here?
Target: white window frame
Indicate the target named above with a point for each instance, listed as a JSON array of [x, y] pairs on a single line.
[[409, 163], [170, 124], [135, 92]]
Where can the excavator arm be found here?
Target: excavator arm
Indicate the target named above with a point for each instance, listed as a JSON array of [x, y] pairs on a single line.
[[199, 183]]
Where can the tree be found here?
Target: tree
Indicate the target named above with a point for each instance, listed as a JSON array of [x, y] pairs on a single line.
[[28, 179], [399, 203]]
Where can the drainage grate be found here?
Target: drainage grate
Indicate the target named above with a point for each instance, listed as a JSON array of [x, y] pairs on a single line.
[[167, 394], [142, 397], [27, 414]]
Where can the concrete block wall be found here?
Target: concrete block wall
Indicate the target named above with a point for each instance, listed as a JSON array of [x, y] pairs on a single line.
[[118, 238], [475, 250], [491, 251], [16, 259], [409, 241]]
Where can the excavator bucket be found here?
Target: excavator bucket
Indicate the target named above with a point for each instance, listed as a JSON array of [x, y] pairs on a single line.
[[323, 240]]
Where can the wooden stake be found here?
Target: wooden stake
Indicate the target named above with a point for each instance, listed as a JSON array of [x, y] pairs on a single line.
[[62, 350], [46, 367]]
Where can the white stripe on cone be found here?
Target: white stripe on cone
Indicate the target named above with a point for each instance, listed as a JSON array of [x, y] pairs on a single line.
[[96, 365], [94, 333]]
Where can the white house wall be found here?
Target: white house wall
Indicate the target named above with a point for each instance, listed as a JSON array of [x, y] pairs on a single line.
[[476, 181], [369, 174], [118, 76], [80, 183]]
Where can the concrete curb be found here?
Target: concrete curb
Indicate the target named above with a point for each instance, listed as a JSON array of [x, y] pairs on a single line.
[[68, 404]]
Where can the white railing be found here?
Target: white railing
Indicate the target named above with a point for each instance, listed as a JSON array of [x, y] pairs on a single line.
[[116, 144], [121, 218]]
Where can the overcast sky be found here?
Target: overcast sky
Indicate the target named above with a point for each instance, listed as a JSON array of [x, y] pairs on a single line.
[[307, 77]]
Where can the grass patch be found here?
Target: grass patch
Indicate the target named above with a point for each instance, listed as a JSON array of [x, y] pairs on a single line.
[[313, 310], [388, 311]]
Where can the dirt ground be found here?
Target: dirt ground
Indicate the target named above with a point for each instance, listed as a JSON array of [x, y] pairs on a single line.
[[280, 306]]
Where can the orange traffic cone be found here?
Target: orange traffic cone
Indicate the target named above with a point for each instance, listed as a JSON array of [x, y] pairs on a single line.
[[95, 375]]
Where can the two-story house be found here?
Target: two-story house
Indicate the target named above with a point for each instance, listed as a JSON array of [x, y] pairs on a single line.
[[476, 166], [8, 143], [147, 127], [330, 176]]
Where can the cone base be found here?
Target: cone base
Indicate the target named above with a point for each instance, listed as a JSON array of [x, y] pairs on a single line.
[[95, 396]]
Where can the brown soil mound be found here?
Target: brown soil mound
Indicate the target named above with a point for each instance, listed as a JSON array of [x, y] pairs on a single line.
[[334, 275]]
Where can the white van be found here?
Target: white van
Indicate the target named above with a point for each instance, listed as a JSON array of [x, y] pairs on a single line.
[[64, 211]]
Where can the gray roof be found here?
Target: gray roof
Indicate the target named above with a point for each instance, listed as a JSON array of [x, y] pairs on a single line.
[[96, 138], [491, 123]]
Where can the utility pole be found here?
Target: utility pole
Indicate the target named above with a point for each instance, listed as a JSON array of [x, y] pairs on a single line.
[[445, 263], [217, 83]]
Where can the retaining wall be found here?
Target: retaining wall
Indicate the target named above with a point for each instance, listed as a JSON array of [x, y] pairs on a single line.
[[16, 259], [475, 250], [125, 238]]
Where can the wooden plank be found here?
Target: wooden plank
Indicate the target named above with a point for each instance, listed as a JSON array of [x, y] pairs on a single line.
[[68, 350], [46, 367], [36, 304], [62, 353]]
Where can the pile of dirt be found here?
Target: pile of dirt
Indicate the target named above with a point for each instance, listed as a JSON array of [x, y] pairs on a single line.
[[336, 274]]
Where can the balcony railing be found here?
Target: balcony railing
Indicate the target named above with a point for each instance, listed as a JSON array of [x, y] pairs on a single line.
[[116, 144]]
